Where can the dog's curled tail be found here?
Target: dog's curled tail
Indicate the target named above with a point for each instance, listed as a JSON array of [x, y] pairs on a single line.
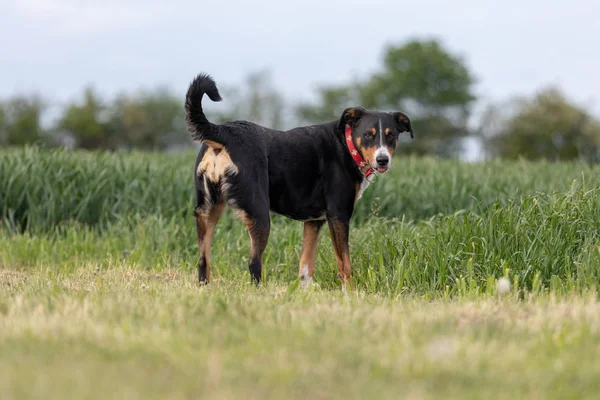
[[197, 123]]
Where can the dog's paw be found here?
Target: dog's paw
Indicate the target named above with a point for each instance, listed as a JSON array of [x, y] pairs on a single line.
[[305, 279]]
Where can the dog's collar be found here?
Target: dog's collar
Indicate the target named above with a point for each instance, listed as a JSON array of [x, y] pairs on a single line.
[[364, 168]]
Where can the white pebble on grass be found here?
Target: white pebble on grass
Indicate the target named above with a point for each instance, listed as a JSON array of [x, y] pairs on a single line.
[[503, 285]]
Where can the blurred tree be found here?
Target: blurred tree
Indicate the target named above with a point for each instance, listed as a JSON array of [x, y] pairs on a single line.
[[432, 86], [256, 101], [330, 104], [149, 120], [546, 126], [20, 121], [420, 78], [3, 135], [87, 123]]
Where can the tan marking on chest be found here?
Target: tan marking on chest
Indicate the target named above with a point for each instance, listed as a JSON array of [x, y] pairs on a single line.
[[215, 163]]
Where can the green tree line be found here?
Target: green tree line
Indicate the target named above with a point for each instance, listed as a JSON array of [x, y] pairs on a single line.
[[420, 77]]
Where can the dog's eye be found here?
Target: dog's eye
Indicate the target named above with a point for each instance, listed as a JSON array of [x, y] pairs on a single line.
[[367, 135]]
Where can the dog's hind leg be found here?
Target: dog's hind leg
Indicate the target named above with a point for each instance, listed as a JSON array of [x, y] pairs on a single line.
[[206, 220], [259, 229], [309, 251], [258, 224], [339, 230]]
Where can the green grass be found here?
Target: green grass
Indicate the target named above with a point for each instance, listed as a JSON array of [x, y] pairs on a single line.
[[539, 242], [428, 227], [98, 297], [127, 333], [41, 188]]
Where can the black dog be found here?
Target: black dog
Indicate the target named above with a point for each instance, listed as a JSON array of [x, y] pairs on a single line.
[[312, 174]]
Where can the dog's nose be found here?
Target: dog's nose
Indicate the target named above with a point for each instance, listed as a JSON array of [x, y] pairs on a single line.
[[382, 161]]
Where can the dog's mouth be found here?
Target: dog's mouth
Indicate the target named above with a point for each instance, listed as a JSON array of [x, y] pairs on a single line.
[[381, 170]]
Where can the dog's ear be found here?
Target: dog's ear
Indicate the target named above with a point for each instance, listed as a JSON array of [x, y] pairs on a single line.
[[403, 123], [350, 116]]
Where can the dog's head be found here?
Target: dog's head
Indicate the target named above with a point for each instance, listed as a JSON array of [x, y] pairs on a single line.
[[375, 134]]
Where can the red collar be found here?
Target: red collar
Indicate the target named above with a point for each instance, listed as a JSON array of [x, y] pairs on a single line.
[[362, 164]]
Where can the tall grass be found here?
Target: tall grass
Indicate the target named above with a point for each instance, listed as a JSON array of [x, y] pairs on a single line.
[[538, 241], [39, 189]]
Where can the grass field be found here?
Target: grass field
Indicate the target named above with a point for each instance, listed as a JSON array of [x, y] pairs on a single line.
[[98, 296], [129, 333]]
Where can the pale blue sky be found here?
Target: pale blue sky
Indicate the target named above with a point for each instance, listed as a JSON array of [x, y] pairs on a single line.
[[55, 47]]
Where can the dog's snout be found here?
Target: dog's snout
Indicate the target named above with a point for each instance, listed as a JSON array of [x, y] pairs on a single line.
[[382, 160]]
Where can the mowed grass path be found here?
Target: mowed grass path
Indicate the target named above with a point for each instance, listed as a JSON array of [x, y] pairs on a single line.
[[127, 333]]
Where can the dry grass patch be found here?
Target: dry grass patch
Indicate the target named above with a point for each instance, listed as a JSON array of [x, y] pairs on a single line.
[[125, 332]]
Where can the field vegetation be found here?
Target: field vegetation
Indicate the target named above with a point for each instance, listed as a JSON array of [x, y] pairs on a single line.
[[98, 297]]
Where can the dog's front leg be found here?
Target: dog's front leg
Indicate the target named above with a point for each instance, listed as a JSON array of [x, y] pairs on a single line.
[[309, 251], [339, 230]]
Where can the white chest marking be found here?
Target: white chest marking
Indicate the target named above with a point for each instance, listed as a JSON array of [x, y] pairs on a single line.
[[363, 186]]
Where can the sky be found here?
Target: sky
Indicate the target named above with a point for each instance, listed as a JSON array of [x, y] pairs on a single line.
[[513, 47]]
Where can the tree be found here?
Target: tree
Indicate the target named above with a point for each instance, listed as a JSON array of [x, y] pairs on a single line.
[[257, 101], [333, 100], [420, 78], [20, 121], [433, 86], [3, 123], [149, 120], [423, 72], [547, 126], [87, 123]]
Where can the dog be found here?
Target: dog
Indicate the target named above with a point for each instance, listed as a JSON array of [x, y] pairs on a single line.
[[313, 174]]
